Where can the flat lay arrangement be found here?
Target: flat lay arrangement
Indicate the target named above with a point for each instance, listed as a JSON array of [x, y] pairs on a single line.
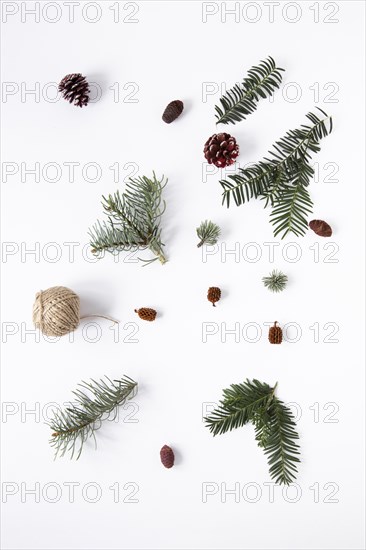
[[133, 222], [182, 203]]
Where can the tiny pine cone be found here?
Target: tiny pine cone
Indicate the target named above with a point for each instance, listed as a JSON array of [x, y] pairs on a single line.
[[146, 313], [213, 295], [172, 111], [75, 89], [167, 456], [321, 228], [275, 334]]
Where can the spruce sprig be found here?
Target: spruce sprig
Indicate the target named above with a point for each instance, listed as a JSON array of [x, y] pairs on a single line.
[[134, 218], [276, 281], [281, 179], [208, 233], [72, 427], [256, 402], [242, 99]]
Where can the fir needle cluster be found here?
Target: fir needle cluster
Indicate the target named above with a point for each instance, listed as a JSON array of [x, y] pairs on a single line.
[[72, 427], [256, 403], [208, 233], [133, 219], [276, 281]]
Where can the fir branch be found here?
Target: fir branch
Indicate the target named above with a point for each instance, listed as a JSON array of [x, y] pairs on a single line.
[[289, 214], [239, 405], [242, 99], [133, 219], [72, 427], [256, 402], [281, 448], [281, 179], [276, 281], [208, 233]]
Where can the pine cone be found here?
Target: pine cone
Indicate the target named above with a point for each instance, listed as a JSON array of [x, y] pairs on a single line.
[[172, 111], [321, 228], [75, 89], [221, 150], [146, 313], [275, 334], [213, 294], [167, 456]]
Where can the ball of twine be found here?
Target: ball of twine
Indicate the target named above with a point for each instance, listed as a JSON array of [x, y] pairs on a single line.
[[56, 311]]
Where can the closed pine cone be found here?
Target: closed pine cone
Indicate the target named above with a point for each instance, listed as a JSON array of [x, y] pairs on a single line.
[[146, 313], [275, 334], [173, 110], [213, 295], [321, 228], [167, 456]]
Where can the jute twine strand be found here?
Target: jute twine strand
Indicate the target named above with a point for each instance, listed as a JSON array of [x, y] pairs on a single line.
[[56, 311]]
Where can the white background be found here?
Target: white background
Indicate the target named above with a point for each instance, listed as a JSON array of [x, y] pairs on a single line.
[[171, 53]]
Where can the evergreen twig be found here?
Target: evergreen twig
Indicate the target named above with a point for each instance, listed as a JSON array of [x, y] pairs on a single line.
[[282, 179], [255, 402], [208, 233], [276, 281], [74, 425], [242, 99], [133, 219]]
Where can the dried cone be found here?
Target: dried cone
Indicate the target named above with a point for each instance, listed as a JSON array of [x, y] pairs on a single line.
[[321, 228], [221, 150], [213, 295], [167, 456], [75, 89], [275, 334], [146, 313], [172, 111]]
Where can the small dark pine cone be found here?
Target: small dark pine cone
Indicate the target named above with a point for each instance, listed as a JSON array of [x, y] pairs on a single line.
[[275, 334], [75, 89], [173, 110], [167, 456], [321, 228], [221, 150], [146, 313], [213, 295]]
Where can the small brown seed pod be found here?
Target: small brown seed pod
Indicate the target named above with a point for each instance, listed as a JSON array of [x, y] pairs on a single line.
[[321, 228], [146, 313], [167, 456], [172, 111], [275, 334], [213, 295]]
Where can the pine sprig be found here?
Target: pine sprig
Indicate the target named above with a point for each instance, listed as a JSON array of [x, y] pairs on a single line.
[[276, 281], [280, 447], [208, 233], [73, 426], [282, 178], [255, 402], [133, 219], [239, 405], [242, 99]]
